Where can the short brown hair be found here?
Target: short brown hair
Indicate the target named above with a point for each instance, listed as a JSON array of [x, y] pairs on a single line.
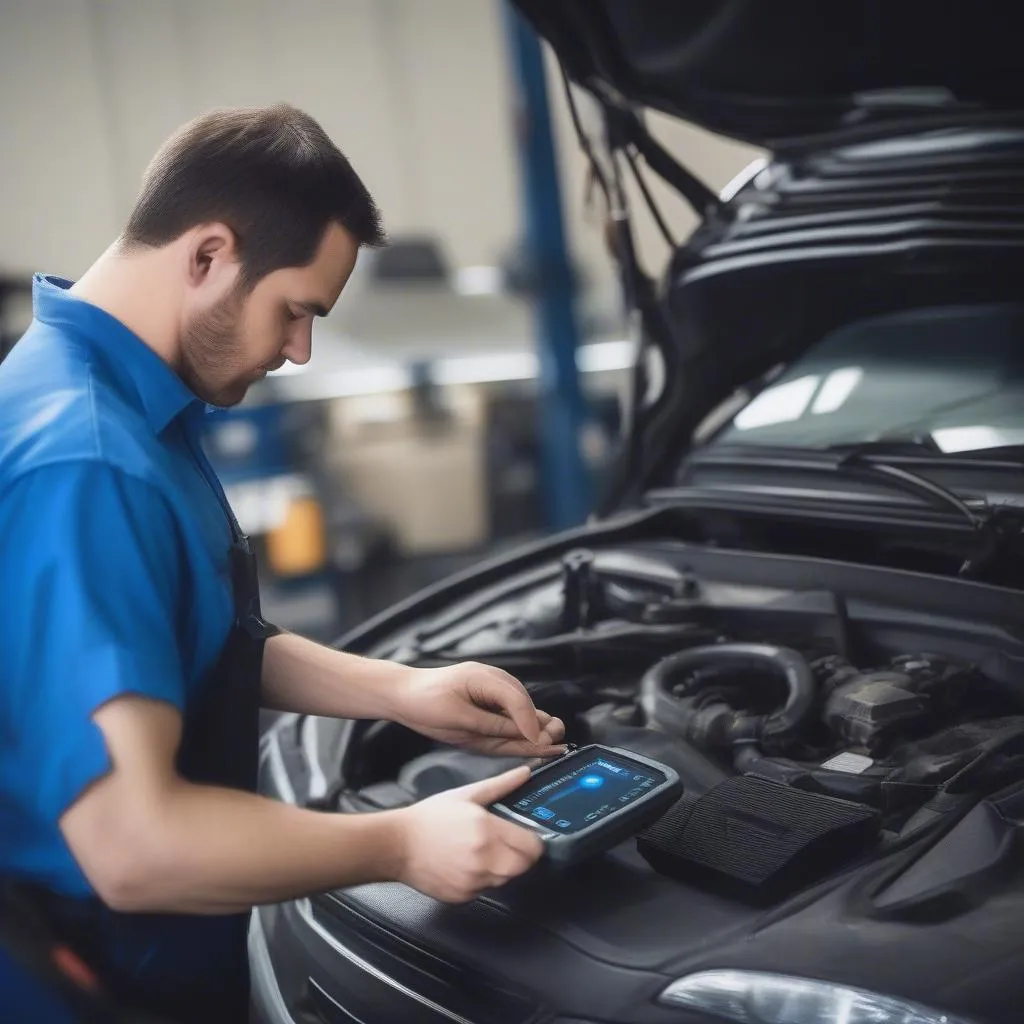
[[271, 174]]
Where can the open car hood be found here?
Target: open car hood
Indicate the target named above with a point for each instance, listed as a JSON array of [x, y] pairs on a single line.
[[895, 183], [775, 74]]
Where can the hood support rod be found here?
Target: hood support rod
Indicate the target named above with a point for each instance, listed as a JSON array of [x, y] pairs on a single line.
[[627, 128]]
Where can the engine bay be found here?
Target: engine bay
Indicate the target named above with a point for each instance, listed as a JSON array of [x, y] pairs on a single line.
[[804, 691]]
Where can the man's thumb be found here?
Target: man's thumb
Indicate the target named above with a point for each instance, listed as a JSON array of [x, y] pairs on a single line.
[[488, 790]]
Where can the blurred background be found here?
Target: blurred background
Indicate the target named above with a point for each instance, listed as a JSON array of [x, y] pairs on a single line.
[[467, 392]]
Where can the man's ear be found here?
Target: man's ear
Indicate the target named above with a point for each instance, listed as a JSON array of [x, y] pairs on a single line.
[[212, 256]]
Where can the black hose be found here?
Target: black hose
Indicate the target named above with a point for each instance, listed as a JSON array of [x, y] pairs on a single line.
[[671, 696]]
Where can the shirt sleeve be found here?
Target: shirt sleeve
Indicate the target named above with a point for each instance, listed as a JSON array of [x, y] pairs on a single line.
[[92, 566]]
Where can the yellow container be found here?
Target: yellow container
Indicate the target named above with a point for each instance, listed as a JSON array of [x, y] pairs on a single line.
[[298, 547]]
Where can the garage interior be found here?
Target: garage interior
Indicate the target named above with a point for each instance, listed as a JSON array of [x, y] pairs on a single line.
[[685, 403]]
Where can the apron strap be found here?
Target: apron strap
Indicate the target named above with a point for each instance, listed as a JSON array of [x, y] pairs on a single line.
[[245, 582]]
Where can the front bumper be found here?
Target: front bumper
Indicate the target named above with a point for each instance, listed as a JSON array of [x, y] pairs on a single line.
[[319, 962], [319, 976]]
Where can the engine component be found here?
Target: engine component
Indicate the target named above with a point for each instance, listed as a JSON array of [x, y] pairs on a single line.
[[767, 689], [685, 605], [966, 755], [914, 692], [581, 591], [869, 708], [758, 839], [590, 597], [602, 717], [682, 697], [864, 785]]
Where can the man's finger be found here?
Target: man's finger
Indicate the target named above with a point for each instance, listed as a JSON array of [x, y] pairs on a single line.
[[482, 737], [488, 790], [520, 748], [554, 730], [478, 722], [510, 696]]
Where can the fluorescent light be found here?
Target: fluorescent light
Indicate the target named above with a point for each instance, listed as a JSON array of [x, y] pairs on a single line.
[[478, 281], [603, 356], [306, 383], [349, 383], [495, 366]]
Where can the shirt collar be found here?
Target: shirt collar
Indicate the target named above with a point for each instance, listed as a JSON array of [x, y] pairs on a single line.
[[162, 394]]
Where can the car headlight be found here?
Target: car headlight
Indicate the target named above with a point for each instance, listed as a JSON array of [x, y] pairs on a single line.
[[750, 997]]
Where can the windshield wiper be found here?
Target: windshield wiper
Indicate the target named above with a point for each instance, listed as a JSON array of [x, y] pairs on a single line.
[[992, 526], [916, 445], [988, 525], [865, 456], [862, 462], [925, 446], [859, 461]]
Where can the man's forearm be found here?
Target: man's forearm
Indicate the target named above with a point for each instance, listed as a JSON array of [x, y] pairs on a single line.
[[213, 851], [302, 676]]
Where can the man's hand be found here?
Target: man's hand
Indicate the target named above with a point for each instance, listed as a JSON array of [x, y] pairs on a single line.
[[477, 707], [453, 848], [468, 705]]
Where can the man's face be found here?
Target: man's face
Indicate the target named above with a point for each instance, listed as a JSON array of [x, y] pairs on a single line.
[[241, 336]]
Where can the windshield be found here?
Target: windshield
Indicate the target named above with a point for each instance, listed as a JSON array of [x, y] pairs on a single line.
[[950, 377]]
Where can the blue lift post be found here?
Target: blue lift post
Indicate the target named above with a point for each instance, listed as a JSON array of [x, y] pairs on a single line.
[[566, 480]]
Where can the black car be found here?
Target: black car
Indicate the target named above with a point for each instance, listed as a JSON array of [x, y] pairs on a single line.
[[804, 592]]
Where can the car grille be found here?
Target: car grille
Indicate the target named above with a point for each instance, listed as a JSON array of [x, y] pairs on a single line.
[[378, 975]]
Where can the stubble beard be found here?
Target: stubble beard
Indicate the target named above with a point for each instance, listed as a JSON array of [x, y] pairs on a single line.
[[212, 354]]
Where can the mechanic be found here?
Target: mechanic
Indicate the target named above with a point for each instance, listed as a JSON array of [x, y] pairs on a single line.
[[135, 657]]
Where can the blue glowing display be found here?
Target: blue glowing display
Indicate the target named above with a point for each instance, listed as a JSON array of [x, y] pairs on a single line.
[[578, 797]]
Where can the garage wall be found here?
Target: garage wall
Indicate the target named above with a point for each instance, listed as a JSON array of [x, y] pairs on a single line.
[[415, 91]]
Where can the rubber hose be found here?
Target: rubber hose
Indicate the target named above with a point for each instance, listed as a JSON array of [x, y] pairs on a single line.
[[718, 724]]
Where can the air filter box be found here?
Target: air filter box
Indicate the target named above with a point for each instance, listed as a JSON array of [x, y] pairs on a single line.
[[758, 840]]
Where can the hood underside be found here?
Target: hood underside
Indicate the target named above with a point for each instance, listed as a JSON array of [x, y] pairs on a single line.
[[777, 74], [896, 182]]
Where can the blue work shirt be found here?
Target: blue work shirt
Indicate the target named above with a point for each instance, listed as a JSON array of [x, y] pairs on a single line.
[[114, 569]]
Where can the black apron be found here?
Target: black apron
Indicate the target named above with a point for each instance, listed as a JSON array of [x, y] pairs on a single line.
[[188, 968]]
